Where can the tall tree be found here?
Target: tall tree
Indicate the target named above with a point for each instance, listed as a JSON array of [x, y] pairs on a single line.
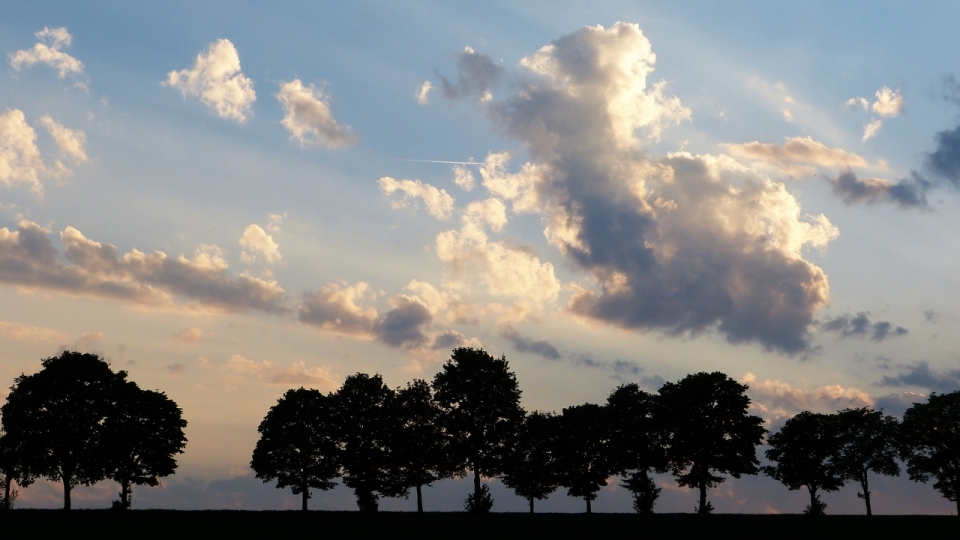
[[530, 468], [868, 443], [143, 434], [297, 445], [636, 443], [481, 402], [803, 451], [583, 451], [709, 431], [57, 418], [365, 424], [930, 443], [418, 446]]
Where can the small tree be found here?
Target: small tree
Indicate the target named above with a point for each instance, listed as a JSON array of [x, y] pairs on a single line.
[[480, 398], [930, 443], [583, 451], [144, 433], [365, 425], [297, 447], [636, 443], [530, 468], [867, 443], [418, 446], [11, 470], [803, 451], [56, 420], [709, 431]]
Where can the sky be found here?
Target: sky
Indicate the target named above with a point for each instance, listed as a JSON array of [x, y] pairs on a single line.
[[228, 200]]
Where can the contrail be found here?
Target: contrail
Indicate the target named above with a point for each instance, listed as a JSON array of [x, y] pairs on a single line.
[[440, 161]]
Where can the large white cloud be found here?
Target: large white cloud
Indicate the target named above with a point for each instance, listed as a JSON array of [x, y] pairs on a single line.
[[48, 51], [217, 80], [308, 117]]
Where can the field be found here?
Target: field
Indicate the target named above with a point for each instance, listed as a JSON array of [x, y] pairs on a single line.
[[245, 524]]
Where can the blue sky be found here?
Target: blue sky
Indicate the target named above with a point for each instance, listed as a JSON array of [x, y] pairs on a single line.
[[743, 187]]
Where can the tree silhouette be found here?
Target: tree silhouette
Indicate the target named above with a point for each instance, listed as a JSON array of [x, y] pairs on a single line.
[[583, 451], [930, 443], [143, 433], [57, 418], [868, 442], [803, 451], [11, 470], [709, 431], [480, 398], [365, 424], [530, 468], [636, 443], [418, 445], [297, 445]]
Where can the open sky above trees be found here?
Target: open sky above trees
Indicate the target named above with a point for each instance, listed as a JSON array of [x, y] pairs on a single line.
[[231, 200]]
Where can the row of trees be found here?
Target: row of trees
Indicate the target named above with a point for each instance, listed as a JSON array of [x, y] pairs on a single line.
[[78, 422], [385, 443]]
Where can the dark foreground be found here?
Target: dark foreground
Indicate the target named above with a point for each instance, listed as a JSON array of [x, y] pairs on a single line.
[[169, 524]]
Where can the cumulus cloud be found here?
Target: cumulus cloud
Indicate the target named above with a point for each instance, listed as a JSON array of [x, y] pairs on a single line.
[[438, 202], [477, 75], [858, 103], [520, 188], [922, 375], [798, 156], [48, 51], [217, 80], [463, 177], [308, 118], [524, 344], [296, 373], [20, 161], [907, 193], [423, 92], [28, 259], [859, 326], [257, 245], [889, 102], [774, 398]]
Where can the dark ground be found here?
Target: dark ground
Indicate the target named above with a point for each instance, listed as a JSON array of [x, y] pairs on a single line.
[[169, 524]]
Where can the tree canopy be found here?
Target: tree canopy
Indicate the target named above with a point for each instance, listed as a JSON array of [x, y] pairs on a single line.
[[530, 468], [636, 443], [803, 453], [418, 444], [930, 443], [867, 443], [709, 431], [582, 451], [297, 445]]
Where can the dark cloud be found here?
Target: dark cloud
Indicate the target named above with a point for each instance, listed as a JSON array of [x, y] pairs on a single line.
[[403, 325], [477, 75], [944, 161], [29, 259], [860, 326], [448, 340], [907, 193], [931, 316], [525, 344], [922, 376], [897, 404], [626, 367]]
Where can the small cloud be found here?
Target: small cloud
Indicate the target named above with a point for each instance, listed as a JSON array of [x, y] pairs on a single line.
[[276, 220], [787, 115], [190, 335], [48, 52], [859, 326], [477, 75], [176, 368], [87, 342], [422, 93], [871, 129], [257, 244], [922, 376], [524, 344], [217, 80], [931, 316], [889, 102], [438, 202], [308, 117], [26, 332], [858, 103], [69, 141]]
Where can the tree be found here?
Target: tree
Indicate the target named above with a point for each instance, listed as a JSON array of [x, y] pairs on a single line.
[[709, 431], [143, 434], [803, 451], [297, 445], [365, 424], [530, 468], [583, 451], [636, 443], [868, 442], [11, 470], [56, 419], [930, 443], [480, 398], [418, 446]]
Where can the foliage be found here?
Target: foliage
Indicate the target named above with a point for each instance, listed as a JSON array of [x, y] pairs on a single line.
[[418, 445], [636, 443], [530, 469], [803, 452], [479, 502], [57, 419], [582, 451], [930, 443], [645, 492], [480, 399], [297, 447], [867, 443], [709, 431]]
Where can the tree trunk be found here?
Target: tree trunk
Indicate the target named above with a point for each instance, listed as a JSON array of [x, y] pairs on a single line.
[[66, 494], [589, 510], [419, 500], [125, 494], [6, 492], [703, 498], [866, 493], [813, 498], [476, 484], [531, 504], [305, 494]]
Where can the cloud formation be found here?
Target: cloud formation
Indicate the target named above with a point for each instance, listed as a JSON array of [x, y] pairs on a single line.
[[20, 158], [217, 80], [258, 245], [907, 193], [438, 202], [29, 259], [859, 326], [524, 344], [777, 399], [477, 75], [889, 104], [922, 375], [48, 51], [422, 95], [293, 374], [308, 118], [798, 156]]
